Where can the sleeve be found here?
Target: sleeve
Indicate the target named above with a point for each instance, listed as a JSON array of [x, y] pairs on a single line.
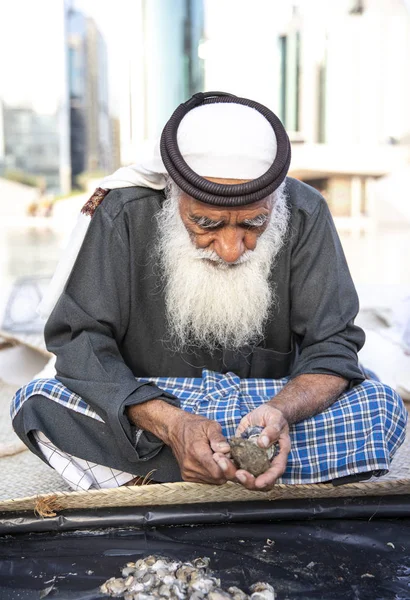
[[324, 302], [85, 329]]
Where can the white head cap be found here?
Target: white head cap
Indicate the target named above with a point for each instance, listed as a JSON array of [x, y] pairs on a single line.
[[227, 140]]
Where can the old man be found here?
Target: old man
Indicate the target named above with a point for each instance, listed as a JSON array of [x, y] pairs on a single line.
[[210, 293]]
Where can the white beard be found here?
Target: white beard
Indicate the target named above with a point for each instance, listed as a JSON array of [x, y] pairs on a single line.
[[212, 304]]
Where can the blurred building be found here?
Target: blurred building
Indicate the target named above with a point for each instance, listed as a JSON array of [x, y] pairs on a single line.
[[90, 126], [336, 73], [58, 125], [241, 47], [34, 134], [344, 72], [344, 97], [164, 69], [32, 145]]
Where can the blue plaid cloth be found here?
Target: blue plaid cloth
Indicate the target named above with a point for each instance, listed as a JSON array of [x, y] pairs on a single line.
[[360, 432]]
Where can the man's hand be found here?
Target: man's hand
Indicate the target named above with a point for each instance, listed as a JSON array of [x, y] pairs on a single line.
[[276, 429], [193, 440], [301, 398]]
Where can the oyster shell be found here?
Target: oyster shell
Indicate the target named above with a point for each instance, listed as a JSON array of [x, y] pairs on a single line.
[[262, 591], [201, 562], [237, 593], [218, 594], [246, 454], [114, 587]]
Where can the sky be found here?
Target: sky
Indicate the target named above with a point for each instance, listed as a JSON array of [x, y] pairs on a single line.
[[31, 57]]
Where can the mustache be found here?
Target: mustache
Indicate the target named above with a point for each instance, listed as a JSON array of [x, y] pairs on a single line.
[[213, 256]]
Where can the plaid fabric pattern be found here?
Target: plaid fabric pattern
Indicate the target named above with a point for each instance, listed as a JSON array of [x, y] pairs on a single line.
[[54, 390], [80, 474], [360, 432]]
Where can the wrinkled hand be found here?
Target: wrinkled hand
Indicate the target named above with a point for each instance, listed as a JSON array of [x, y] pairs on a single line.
[[193, 440], [276, 429]]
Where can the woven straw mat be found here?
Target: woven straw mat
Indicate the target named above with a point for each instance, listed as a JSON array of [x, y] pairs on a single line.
[[27, 483]]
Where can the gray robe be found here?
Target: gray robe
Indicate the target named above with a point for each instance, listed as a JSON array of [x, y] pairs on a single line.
[[107, 327]]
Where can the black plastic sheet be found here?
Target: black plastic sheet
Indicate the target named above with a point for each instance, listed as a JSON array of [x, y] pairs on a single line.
[[364, 507], [367, 558]]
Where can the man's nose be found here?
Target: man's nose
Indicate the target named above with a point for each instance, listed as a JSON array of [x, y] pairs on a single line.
[[229, 244]]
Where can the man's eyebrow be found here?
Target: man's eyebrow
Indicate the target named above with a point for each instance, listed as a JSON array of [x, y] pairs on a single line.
[[257, 221], [205, 222]]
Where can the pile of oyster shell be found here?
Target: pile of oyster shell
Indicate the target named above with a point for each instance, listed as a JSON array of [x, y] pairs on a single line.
[[155, 577]]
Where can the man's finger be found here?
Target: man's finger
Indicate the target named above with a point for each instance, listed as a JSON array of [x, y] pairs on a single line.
[[195, 477], [245, 478], [267, 480], [203, 457], [226, 465], [243, 425], [202, 474], [217, 440], [269, 435], [219, 444], [278, 467]]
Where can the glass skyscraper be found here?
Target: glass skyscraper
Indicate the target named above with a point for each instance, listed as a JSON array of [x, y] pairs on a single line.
[[165, 68], [88, 88]]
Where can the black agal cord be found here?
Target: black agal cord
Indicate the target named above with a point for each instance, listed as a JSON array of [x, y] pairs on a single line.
[[216, 193]]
